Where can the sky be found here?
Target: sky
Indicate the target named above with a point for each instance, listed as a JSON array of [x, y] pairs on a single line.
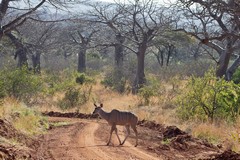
[[24, 3], [160, 1], [107, 0]]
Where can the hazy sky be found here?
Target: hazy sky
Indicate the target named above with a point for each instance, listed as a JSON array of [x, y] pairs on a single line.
[[160, 1], [107, 0]]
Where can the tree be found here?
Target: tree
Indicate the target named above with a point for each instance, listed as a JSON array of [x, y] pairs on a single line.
[[39, 38], [143, 21], [110, 15], [82, 36], [215, 24], [135, 23], [14, 14], [21, 50], [11, 17], [169, 43]]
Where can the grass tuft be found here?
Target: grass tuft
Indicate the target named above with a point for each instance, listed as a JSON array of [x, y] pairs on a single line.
[[23, 118], [209, 132]]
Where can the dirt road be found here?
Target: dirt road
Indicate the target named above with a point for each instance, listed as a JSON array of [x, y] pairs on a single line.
[[86, 139]]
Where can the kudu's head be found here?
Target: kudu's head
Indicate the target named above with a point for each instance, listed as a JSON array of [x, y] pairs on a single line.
[[97, 109]]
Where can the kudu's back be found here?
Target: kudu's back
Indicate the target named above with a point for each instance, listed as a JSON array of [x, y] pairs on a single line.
[[122, 118]]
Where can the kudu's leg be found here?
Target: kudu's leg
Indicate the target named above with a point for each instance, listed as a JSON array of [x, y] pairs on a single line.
[[117, 135], [136, 133], [128, 133], [112, 129]]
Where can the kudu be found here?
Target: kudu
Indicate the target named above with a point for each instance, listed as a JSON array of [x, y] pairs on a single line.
[[116, 117]]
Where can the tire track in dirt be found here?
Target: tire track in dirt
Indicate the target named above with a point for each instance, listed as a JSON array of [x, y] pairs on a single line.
[[128, 151], [89, 148], [80, 140]]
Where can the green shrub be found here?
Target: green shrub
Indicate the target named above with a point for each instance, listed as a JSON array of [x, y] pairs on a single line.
[[62, 81], [151, 89], [209, 98], [236, 76], [59, 81], [3, 92], [83, 78], [74, 97], [19, 83], [115, 80], [107, 82], [71, 99]]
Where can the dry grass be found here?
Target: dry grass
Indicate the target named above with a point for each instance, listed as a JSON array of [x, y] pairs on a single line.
[[110, 99], [161, 113], [226, 135], [100, 94], [24, 119], [234, 136], [160, 110], [210, 132], [8, 106]]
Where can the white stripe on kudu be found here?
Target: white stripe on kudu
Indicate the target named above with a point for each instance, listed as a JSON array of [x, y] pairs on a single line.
[[116, 117]]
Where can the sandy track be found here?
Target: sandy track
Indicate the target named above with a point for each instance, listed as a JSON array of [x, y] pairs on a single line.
[[83, 140]]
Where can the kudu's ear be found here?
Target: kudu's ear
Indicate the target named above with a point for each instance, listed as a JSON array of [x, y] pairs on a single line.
[[101, 105]]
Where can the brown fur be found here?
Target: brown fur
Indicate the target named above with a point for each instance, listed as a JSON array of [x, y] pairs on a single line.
[[116, 117]]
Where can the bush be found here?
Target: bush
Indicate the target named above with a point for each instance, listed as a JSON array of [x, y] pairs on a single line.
[[115, 80], [146, 93], [151, 89], [209, 98], [3, 92], [71, 98], [59, 81], [75, 97], [62, 81], [19, 83], [83, 78], [236, 76]]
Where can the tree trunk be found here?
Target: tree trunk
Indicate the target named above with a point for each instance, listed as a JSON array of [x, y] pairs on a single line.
[[232, 68], [119, 56], [21, 51], [140, 79], [118, 75], [1, 34], [170, 49], [36, 62], [82, 60], [21, 54], [224, 59], [159, 60], [119, 51], [223, 63], [162, 58]]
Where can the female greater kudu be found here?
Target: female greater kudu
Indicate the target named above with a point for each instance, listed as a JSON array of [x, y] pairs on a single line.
[[116, 117]]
